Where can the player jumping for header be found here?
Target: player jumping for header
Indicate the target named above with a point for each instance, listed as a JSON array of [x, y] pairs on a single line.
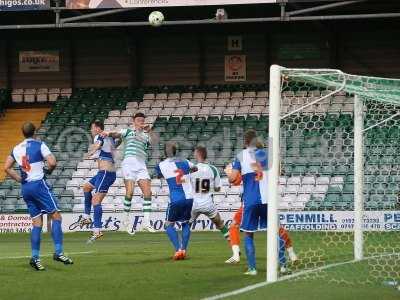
[[30, 156], [102, 150], [134, 170]]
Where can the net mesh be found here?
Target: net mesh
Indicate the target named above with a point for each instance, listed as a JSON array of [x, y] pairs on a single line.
[[385, 89], [317, 180]]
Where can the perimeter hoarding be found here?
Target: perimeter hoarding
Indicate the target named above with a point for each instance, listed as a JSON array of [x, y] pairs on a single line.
[[326, 221], [93, 4], [19, 5]]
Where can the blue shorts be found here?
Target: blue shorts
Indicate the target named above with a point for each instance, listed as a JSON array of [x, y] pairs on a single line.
[[103, 180], [179, 211], [39, 198], [254, 218]]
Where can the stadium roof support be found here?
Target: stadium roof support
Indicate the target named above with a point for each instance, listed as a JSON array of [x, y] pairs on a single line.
[[96, 14], [322, 7]]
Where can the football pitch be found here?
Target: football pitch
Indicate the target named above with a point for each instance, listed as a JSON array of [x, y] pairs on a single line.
[[140, 267]]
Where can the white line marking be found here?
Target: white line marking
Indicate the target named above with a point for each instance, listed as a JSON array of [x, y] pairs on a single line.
[[46, 255], [284, 278]]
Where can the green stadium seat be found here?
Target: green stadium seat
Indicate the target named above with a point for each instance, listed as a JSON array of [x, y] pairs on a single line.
[[213, 119], [348, 188], [327, 170], [314, 169], [348, 198], [187, 120], [342, 170], [335, 189], [312, 205], [327, 205]]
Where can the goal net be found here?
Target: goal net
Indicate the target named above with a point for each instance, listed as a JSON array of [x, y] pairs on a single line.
[[334, 174]]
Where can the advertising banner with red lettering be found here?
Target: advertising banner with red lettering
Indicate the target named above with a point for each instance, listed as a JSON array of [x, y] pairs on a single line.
[[39, 61]]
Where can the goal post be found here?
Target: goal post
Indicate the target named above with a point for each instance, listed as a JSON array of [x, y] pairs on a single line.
[[358, 177], [273, 173], [332, 147]]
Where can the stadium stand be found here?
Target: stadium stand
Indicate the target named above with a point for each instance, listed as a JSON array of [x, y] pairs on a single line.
[[39, 95], [205, 117], [10, 128], [65, 131], [192, 116]]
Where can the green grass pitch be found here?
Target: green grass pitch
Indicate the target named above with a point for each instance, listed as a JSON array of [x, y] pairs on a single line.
[[140, 267]]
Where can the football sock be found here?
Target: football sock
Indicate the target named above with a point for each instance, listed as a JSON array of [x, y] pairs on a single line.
[[236, 252], [127, 204], [98, 213], [88, 202], [146, 210], [225, 232], [57, 235], [234, 234], [282, 256], [35, 241], [185, 235], [250, 252], [173, 236]]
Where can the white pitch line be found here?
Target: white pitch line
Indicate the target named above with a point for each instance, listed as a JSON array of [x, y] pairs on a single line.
[[45, 255], [285, 278]]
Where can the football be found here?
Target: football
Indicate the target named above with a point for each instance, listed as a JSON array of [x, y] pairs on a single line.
[[156, 18]]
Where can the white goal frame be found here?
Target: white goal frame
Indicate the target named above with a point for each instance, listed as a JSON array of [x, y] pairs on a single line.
[[274, 169]]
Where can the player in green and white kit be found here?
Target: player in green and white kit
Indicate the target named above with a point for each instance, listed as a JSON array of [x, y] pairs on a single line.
[[136, 142], [204, 180]]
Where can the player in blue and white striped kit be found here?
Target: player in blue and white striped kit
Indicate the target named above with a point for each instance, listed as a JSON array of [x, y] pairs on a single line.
[[252, 163], [102, 150], [177, 174], [30, 156]]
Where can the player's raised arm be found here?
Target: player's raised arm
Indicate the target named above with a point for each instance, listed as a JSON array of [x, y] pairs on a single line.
[[8, 168], [113, 134], [96, 146]]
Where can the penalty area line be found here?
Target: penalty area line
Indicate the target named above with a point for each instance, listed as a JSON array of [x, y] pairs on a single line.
[[288, 277], [46, 255]]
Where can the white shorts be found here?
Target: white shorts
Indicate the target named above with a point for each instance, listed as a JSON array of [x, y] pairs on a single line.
[[134, 169], [208, 209]]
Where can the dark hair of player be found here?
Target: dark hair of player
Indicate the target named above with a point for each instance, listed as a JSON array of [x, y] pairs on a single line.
[[98, 124], [139, 115], [249, 137], [28, 130], [202, 151], [170, 149]]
